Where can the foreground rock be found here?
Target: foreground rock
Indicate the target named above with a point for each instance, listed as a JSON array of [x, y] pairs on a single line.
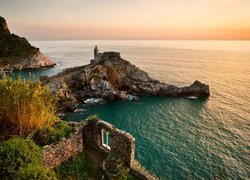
[[16, 52], [108, 76]]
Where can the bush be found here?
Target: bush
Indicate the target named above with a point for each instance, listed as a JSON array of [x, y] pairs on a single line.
[[52, 134], [115, 168], [93, 117], [25, 106], [79, 167], [17, 153], [36, 172]]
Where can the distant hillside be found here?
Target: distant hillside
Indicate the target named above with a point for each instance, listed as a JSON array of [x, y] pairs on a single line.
[[16, 51]]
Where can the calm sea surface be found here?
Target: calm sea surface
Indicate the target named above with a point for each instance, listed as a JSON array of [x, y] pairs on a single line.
[[177, 137]]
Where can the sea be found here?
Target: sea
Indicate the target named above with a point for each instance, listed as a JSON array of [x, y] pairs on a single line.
[[176, 138]]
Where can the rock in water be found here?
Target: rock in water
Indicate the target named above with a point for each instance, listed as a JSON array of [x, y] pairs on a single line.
[[16, 52], [109, 76]]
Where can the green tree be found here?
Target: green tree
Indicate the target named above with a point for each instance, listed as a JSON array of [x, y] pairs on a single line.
[[17, 153]]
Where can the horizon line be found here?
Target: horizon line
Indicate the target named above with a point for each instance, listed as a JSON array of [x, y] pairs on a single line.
[[139, 39]]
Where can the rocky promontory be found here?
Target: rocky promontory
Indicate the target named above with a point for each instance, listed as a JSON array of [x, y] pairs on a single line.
[[16, 52], [108, 76]]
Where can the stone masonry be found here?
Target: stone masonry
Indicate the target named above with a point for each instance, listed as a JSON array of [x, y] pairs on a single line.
[[89, 133], [121, 143], [55, 154]]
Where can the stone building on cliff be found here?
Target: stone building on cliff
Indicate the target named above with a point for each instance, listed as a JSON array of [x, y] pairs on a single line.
[[98, 57]]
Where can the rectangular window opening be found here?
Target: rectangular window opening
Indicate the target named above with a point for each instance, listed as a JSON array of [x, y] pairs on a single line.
[[106, 139]]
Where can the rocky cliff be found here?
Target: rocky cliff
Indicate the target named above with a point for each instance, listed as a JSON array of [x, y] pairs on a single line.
[[113, 77], [4, 30], [16, 51]]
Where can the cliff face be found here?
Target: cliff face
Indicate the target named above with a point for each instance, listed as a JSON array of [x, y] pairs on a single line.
[[3, 27], [16, 51], [113, 77]]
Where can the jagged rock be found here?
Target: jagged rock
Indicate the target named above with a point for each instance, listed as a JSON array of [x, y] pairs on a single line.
[[67, 99], [44, 79], [68, 104], [122, 95], [80, 111], [140, 76], [113, 77], [105, 85], [17, 52], [35, 61], [197, 89], [4, 29], [63, 90]]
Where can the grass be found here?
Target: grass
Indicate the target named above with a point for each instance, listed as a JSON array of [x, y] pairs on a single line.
[[25, 106]]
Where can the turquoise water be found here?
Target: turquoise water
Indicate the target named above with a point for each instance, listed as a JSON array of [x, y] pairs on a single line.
[[177, 137]]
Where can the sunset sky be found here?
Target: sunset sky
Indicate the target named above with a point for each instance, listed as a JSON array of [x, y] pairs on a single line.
[[128, 19]]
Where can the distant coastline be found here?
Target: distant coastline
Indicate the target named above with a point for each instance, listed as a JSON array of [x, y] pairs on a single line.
[[17, 53]]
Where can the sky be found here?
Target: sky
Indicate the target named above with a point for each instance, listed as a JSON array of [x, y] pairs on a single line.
[[128, 19]]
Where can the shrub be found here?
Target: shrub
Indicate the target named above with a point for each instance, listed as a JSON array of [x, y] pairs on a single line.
[[78, 167], [36, 172], [52, 134], [25, 106], [17, 153], [115, 168], [93, 117]]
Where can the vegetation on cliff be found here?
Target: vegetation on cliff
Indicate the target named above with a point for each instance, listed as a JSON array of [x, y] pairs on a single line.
[[78, 167], [25, 106], [53, 134], [115, 168], [13, 47], [16, 51], [22, 159], [82, 166]]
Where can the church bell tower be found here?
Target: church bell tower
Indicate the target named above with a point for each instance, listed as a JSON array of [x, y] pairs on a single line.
[[96, 51]]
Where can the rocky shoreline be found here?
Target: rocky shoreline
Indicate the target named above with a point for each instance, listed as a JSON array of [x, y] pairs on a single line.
[[35, 61], [16, 52], [108, 76]]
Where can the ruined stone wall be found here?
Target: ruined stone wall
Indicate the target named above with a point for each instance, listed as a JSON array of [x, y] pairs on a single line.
[[124, 144], [55, 154], [89, 133], [121, 143]]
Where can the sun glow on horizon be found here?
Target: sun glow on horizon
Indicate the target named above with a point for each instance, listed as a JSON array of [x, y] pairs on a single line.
[[131, 19]]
